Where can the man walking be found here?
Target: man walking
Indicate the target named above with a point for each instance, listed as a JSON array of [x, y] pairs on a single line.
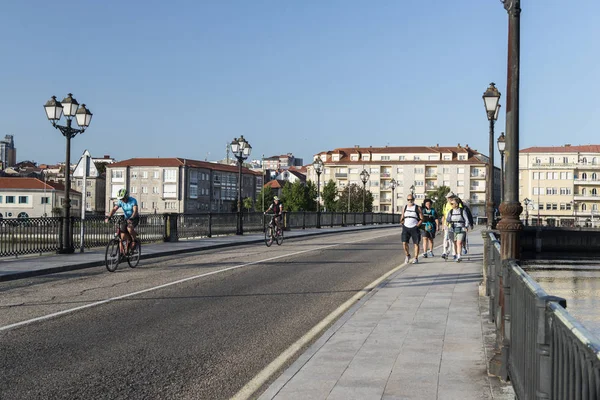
[[411, 220]]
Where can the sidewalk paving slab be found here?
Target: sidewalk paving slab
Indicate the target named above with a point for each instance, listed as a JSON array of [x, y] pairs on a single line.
[[419, 335]]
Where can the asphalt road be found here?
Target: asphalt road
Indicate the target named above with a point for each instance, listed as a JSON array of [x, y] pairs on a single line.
[[217, 320]]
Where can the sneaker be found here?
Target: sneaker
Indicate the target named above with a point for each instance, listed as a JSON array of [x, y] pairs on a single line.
[[454, 257], [464, 251], [444, 256], [407, 259], [458, 259], [430, 253], [415, 261], [424, 255]]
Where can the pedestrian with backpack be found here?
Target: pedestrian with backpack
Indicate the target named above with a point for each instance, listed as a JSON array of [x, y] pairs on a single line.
[[459, 224], [429, 226], [411, 220]]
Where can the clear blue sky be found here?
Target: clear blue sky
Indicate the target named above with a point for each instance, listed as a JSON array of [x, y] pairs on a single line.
[[183, 78]]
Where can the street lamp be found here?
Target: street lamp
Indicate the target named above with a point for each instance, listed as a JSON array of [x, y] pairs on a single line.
[[364, 177], [318, 166], [69, 107], [241, 149], [491, 100], [526, 202], [501, 147], [393, 185]]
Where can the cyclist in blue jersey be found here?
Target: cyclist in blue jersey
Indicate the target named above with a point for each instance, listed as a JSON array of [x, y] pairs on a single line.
[[129, 206]]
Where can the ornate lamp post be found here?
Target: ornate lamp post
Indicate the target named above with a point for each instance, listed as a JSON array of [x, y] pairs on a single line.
[[527, 202], [364, 177], [501, 147], [241, 149], [69, 108], [491, 99], [393, 185], [318, 166]]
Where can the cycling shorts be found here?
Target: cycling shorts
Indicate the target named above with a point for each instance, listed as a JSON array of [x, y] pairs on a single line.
[[134, 222]]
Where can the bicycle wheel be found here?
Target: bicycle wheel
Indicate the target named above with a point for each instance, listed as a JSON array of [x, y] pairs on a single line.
[[112, 255], [269, 236], [279, 237], [134, 258]]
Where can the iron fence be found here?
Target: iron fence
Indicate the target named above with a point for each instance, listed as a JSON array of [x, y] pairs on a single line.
[[546, 353], [44, 235]]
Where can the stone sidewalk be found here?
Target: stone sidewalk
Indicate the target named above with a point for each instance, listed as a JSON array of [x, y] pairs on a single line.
[[420, 335]]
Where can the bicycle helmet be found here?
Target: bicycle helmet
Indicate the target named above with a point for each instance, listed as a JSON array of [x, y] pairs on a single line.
[[122, 193], [275, 198]]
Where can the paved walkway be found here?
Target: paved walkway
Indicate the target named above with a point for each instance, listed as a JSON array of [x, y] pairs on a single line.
[[421, 335]]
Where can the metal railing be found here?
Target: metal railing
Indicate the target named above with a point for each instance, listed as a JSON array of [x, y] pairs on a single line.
[[546, 353], [43, 235]]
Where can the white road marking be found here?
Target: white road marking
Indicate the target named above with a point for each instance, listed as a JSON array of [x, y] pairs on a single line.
[[97, 303]]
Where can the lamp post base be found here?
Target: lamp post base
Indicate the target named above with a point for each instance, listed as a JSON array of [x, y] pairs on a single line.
[[69, 250], [510, 227]]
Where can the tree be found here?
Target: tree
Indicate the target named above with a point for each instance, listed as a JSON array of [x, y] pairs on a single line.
[[356, 199], [248, 203], [268, 194], [328, 196], [101, 167], [312, 196], [295, 196], [439, 199]]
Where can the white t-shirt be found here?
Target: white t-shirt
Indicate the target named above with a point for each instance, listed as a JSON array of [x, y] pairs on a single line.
[[411, 216]]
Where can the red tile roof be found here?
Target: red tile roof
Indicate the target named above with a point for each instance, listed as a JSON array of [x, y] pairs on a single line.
[[178, 162], [31, 184], [275, 184], [587, 148]]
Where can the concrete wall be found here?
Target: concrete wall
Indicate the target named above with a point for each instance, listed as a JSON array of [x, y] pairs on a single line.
[[559, 240]]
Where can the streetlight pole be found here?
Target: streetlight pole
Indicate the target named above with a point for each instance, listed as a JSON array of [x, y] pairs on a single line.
[[393, 185], [241, 149], [318, 166], [364, 177], [491, 100], [526, 202], [501, 147], [69, 108], [510, 225]]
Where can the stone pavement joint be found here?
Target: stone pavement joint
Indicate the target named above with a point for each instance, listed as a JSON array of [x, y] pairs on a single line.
[[420, 335]]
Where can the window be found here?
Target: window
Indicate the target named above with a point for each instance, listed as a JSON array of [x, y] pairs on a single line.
[[170, 205], [193, 191], [583, 207], [548, 175], [555, 175], [551, 160], [23, 215], [568, 206], [594, 193], [374, 171], [353, 170], [583, 191], [142, 204], [460, 170], [447, 157], [565, 160], [433, 158], [536, 190], [538, 161], [419, 183], [134, 189], [75, 203], [563, 175], [144, 189], [23, 199], [10, 199], [419, 170], [0, 199], [133, 174], [446, 170], [548, 206], [460, 183], [462, 157], [417, 158], [144, 174], [594, 177], [594, 207], [169, 191], [584, 160], [193, 177], [116, 175], [385, 158], [402, 158], [554, 206], [536, 175], [594, 161], [446, 183], [45, 200], [540, 206], [155, 190], [88, 194]]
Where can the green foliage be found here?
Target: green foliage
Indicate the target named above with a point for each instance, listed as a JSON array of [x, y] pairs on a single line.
[[248, 203], [268, 194], [355, 193], [57, 211], [328, 196], [312, 196], [297, 196], [439, 199], [101, 167]]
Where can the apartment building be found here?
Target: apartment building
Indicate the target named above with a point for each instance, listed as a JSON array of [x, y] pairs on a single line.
[[461, 168], [285, 161], [561, 184], [32, 197], [179, 185]]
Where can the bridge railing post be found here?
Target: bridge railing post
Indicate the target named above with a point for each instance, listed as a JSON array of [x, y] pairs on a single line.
[[544, 345]]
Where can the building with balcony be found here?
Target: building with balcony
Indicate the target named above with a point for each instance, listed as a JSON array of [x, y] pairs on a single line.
[[32, 197], [562, 184], [179, 185], [461, 168]]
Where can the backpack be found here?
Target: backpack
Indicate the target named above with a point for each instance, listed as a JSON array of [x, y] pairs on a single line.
[[417, 209]]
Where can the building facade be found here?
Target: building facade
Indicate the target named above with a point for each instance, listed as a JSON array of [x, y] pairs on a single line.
[[8, 152], [561, 185], [276, 163], [178, 185], [32, 197], [460, 168], [95, 184]]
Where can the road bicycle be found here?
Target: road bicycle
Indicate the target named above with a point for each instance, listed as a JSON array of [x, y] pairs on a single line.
[[117, 251], [272, 233]]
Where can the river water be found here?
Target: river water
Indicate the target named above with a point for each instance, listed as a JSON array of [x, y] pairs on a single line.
[[581, 289]]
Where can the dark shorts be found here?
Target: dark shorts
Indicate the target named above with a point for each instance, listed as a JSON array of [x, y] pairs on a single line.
[[429, 234], [408, 233], [134, 221]]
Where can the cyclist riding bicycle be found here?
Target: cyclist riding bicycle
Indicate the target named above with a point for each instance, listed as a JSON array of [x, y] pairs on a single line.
[[127, 226], [277, 207]]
